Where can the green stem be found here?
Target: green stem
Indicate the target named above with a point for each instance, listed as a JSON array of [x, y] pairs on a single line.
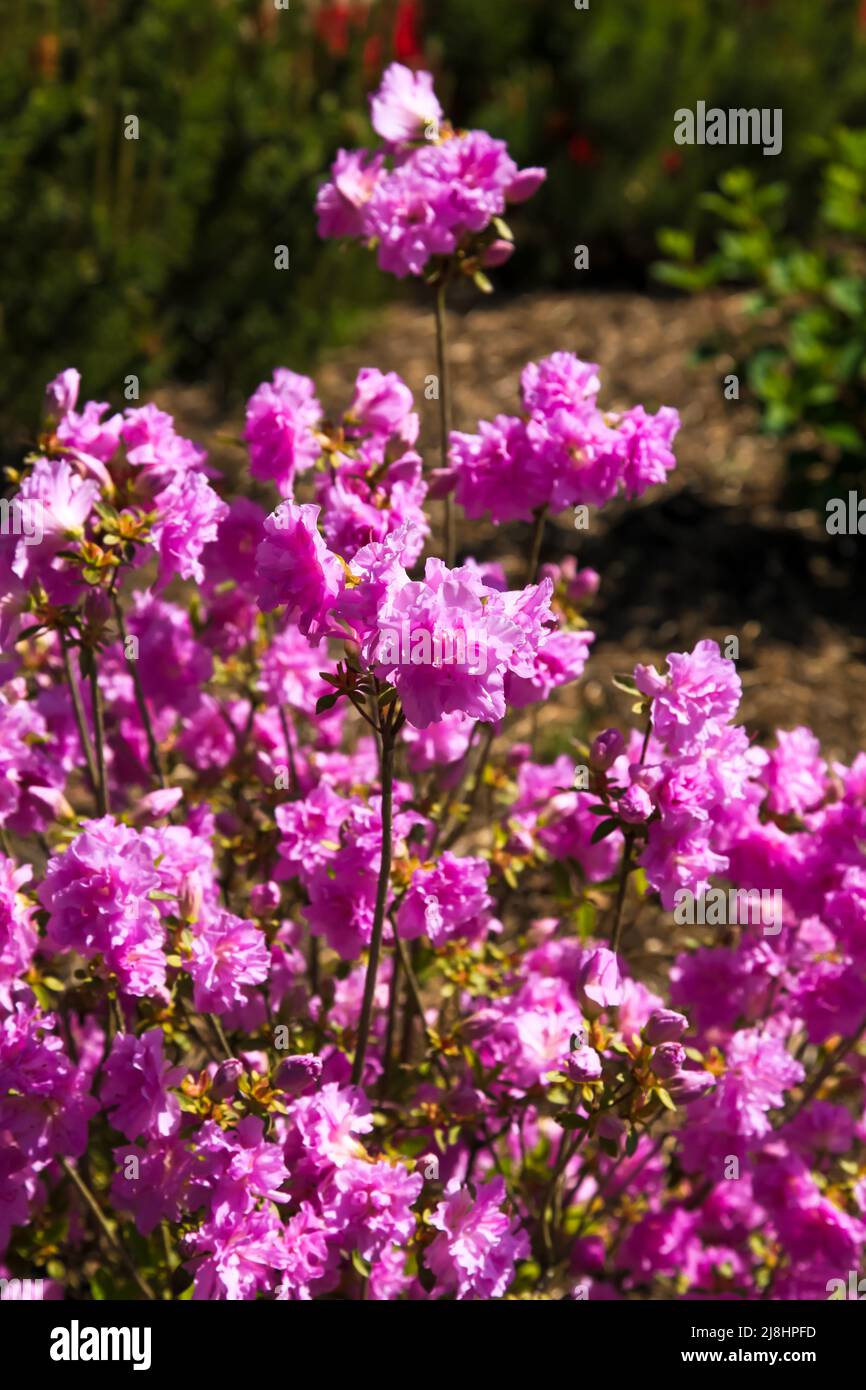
[[445, 417], [625, 870], [388, 740], [75, 1177], [99, 732], [475, 786], [132, 664], [78, 708], [627, 866], [221, 1037], [294, 790], [393, 1008], [540, 515]]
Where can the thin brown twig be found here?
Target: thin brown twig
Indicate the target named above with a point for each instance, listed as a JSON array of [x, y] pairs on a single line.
[[111, 1236]]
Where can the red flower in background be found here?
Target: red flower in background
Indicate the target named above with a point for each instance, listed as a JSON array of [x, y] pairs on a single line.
[[581, 150], [407, 37], [672, 161], [406, 44], [332, 22]]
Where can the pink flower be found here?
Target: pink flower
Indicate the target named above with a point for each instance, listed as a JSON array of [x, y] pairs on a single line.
[[383, 405], [282, 416], [559, 382], [342, 899], [62, 393], [91, 440], [154, 447], [97, 897], [339, 203], [701, 691], [599, 984], [294, 567], [135, 1086], [227, 955], [796, 774], [17, 928], [448, 900], [374, 1205], [54, 504], [404, 105], [237, 1257], [447, 642], [501, 470], [188, 514], [478, 1244]]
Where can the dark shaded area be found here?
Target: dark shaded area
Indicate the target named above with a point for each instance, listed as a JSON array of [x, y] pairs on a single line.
[[716, 565]]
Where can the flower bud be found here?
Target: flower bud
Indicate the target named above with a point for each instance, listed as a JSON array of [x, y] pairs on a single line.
[[664, 1025], [264, 898], [583, 585], [497, 253], [226, 1078], [190, 897], [668, 1060], [605, 749], [634, 806], [295, 1074], [687, 1086], [62, 393], [526, 182], [584, 1064], [599, 984]]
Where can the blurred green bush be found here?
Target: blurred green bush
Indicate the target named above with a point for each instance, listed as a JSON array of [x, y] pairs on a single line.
[[156, 256], [592, 94], [803, 359]]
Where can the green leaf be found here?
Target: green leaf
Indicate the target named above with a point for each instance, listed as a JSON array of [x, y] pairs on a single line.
[[601, 832], [664, 1097], [566, 1119], [678, 244]]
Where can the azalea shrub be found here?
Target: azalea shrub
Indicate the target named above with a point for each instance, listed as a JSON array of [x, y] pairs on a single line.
[[317, 983]]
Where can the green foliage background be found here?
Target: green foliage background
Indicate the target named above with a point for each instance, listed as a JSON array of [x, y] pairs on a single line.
[[156, 256]]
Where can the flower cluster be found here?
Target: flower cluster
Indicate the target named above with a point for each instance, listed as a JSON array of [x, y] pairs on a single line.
[[315, 983], [562, 451], [432, 193]]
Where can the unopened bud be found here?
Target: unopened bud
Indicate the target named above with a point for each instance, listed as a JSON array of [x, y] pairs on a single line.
[[605, 749], [226, 1078], [497, 253]]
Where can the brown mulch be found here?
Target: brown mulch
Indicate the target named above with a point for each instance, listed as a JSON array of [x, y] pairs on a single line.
[[714, 553]]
